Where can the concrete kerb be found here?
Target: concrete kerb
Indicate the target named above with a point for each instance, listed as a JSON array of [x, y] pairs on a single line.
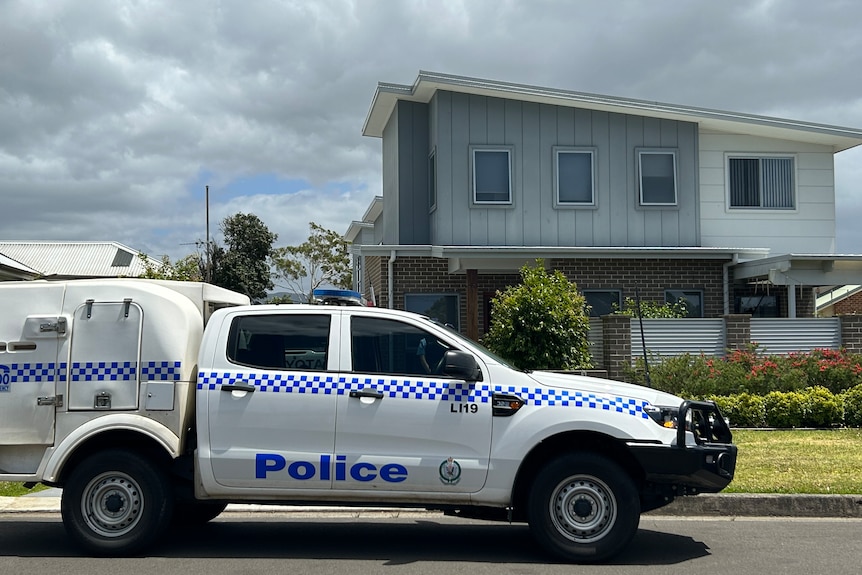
[[707, 505]]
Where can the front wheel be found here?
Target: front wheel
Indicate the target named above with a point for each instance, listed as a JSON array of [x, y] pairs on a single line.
[[583, 507], [116, 503]]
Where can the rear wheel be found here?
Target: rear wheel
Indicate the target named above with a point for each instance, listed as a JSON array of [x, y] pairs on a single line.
[[116, 503], [583, 507]]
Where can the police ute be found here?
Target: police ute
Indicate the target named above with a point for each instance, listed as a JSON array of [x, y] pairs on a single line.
[[152, 403]]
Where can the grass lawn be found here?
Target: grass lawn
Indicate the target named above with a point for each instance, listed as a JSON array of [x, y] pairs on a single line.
[[822, 461]]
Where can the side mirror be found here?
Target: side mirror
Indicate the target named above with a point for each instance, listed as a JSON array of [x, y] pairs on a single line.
[[461, 365]]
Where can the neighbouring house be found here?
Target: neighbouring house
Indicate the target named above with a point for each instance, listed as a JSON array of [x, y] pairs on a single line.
[[71, 260], [839, 300], [729, 212]]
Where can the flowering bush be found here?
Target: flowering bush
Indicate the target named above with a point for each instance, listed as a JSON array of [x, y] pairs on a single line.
[[821, 388], [752, 372]]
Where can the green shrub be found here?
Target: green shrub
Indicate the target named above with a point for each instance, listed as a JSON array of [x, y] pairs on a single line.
[[542, 323], [852, 399], [742, 409], [821, 408], [784, 409]]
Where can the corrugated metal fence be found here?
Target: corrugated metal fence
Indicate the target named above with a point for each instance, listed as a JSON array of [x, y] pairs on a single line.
[[787, 335], [679, 336], [671, 337]]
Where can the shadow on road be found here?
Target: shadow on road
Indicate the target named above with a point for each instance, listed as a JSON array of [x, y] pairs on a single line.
[[393, 542]]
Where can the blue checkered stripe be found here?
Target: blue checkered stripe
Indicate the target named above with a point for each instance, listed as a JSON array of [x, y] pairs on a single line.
[[566, 398], [409, 389], [121, 371], [161, 370], [32, 372], [420, 390], [329, 385]]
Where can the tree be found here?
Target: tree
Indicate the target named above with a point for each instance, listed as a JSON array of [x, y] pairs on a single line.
[[184, 269], [322, 259], [244, 266], [542, 323]]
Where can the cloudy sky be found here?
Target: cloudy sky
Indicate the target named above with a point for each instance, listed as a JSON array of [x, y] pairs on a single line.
[[115, 115]]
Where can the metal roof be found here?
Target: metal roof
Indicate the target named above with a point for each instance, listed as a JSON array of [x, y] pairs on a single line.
[[427, 83], [76, 259]]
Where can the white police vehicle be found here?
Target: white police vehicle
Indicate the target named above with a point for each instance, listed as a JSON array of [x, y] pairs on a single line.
[[113, 390]]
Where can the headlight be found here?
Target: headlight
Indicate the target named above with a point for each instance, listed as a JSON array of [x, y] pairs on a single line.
[[663, 415]]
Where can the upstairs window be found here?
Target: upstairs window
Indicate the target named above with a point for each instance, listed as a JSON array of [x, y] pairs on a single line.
[[573, 177], [764, 183], [492, 175], [657, 176]]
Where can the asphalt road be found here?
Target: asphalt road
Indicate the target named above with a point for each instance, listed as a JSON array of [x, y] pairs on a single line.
[[271, 543]]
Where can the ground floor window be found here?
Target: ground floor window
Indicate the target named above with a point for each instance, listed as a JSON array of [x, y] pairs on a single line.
[[693, 300], [603, 302], [760, 305], [442, 307]]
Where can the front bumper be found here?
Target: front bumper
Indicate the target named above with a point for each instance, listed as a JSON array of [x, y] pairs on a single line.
[[703, 460]]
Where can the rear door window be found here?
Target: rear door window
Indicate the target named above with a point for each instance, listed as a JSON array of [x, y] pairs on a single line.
[[280, 341]]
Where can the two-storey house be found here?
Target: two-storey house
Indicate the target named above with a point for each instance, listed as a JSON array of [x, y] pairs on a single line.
[[729, 212]]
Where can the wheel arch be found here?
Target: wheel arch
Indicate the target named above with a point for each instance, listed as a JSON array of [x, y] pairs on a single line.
[[568, 442], [151, 440]]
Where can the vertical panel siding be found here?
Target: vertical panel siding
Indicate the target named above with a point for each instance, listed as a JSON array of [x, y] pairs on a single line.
[[532, 130]]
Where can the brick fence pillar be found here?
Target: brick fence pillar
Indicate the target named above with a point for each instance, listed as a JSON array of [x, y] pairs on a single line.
[[737, 330], [851, 333], [617, 345]]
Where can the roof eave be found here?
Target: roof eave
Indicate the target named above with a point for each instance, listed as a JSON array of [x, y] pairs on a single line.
[[427, 83]]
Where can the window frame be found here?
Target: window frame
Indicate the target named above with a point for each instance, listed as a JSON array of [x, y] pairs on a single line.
[[794, 192], [557, 152], [640, 153], [478, 149], [686, 291]]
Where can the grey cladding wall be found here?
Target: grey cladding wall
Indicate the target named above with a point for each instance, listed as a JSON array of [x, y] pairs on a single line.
[[405, 174], [531, 131]]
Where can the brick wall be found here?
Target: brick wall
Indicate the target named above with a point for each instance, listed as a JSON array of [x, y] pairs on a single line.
[[651, 276], [849, 305]]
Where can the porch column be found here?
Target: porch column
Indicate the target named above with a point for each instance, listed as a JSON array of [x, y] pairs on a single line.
[[473, 305], [791, 300]]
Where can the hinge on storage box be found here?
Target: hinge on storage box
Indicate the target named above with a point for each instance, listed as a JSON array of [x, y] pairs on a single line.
[[59, 326], [55, 400]]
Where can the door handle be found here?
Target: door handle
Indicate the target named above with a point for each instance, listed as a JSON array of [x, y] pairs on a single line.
[[367, 392], [237, 387]]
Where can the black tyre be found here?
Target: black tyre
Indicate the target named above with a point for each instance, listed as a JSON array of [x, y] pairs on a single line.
[[116, 503], [188, 513], [583, 508]]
